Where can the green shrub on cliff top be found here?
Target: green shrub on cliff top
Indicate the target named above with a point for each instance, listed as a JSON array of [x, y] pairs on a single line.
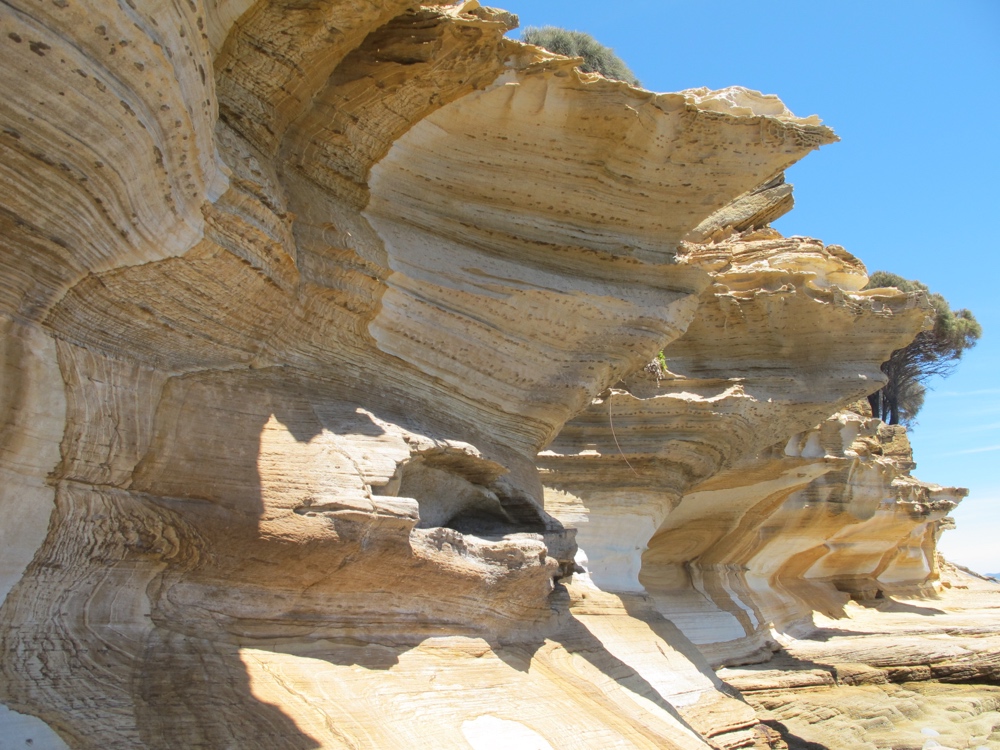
[[933, 352], [596, 57]]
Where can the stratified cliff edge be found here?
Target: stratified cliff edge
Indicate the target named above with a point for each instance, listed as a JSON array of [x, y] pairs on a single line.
[[328, 418]]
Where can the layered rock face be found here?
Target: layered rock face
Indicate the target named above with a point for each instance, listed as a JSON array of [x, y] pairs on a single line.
[[779, 341], [292, 295], [833, 516]]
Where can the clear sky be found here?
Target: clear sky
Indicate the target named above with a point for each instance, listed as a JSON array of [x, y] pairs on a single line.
[[913, 90]]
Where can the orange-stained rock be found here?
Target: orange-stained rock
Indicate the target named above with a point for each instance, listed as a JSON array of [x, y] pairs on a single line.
[[301, 305]]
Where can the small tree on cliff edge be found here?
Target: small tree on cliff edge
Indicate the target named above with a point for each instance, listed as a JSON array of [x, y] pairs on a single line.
[[596, 57], [933, 352]]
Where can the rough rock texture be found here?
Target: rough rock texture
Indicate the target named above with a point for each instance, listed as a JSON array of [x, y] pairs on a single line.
[[893, 673], [780, 341], [833, 516], [291, 297]]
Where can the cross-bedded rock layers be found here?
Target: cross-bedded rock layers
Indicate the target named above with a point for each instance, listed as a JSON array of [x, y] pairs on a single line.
[[327, 420]]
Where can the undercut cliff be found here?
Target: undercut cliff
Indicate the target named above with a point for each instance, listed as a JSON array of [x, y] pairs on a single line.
[[373, 380]]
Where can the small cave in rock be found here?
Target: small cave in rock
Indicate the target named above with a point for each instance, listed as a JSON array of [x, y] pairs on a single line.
[[465, 493], [860, 588]]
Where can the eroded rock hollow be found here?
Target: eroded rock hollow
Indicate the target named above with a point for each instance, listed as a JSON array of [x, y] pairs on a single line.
[[328, 418]]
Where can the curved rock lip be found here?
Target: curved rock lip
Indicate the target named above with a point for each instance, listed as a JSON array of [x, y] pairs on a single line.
[[360, 366]]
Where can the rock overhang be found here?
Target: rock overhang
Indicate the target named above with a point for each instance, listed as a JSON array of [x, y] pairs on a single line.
[[336, 273]]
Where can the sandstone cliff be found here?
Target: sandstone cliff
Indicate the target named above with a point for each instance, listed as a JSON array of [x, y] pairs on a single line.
[[327, 419]]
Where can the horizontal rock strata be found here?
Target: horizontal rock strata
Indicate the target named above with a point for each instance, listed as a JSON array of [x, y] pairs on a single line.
[[779, 341], [324, 331], [895, 672], [833, 516]]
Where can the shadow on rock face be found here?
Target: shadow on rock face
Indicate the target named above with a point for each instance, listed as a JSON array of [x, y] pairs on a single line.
[[891, 605], [195, 692], [793, 740], [251, 526]]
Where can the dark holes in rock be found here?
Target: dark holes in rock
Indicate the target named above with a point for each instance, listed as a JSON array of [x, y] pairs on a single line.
[[463, 492]]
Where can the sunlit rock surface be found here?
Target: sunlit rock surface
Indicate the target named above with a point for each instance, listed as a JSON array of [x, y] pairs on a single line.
[[291, 298], [779, 341], [890, 673], [835, 516]]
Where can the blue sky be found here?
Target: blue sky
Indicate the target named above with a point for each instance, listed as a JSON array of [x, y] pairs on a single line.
[[913, 90]]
